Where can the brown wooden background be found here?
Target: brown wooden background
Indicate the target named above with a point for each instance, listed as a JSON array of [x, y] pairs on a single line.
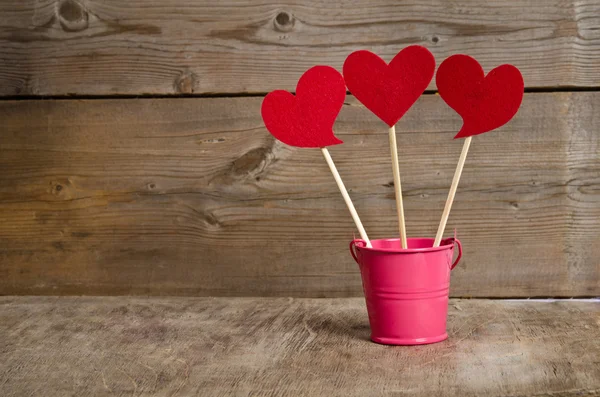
[[133, 159]]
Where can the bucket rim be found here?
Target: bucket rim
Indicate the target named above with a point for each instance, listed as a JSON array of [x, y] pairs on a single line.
[[444, 245]]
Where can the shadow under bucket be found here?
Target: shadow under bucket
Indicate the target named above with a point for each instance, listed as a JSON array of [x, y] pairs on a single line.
[[406, 290]]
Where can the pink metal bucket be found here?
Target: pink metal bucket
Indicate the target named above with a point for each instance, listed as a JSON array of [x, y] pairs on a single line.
[[406, 290]]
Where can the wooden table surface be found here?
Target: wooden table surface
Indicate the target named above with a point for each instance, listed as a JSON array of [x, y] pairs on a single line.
[[122, 346]]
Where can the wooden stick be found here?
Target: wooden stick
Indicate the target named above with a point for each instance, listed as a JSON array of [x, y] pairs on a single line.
[[397, 186], [338, 180], [450, 199]]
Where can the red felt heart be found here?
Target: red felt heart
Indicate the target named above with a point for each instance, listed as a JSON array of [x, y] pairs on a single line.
[[484, 102], [306, 120], [389, 90]]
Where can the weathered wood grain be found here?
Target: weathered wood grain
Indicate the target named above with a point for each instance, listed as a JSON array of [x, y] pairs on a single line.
[[290, 347], [108, 47], [193, 196]]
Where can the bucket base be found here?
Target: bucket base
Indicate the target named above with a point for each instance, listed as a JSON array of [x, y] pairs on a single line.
[[408, 342]]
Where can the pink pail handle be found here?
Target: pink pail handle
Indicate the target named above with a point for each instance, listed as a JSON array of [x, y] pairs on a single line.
[[353, 243], [457, 242]]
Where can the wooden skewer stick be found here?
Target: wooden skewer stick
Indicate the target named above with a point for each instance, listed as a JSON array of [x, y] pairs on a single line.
[[338, 180], [450, 199], [398, 186]]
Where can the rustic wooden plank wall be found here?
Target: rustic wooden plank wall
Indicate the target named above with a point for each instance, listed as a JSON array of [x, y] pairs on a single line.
[[191, 196], [182, 196], [107, 47]]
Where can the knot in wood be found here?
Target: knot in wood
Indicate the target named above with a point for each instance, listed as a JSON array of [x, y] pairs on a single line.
[[284, 22], [185, 83], [72, 15]]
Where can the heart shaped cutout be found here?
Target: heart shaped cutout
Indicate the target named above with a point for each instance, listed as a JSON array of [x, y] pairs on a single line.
[[389, 90], [306, 119], [484, 102]]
